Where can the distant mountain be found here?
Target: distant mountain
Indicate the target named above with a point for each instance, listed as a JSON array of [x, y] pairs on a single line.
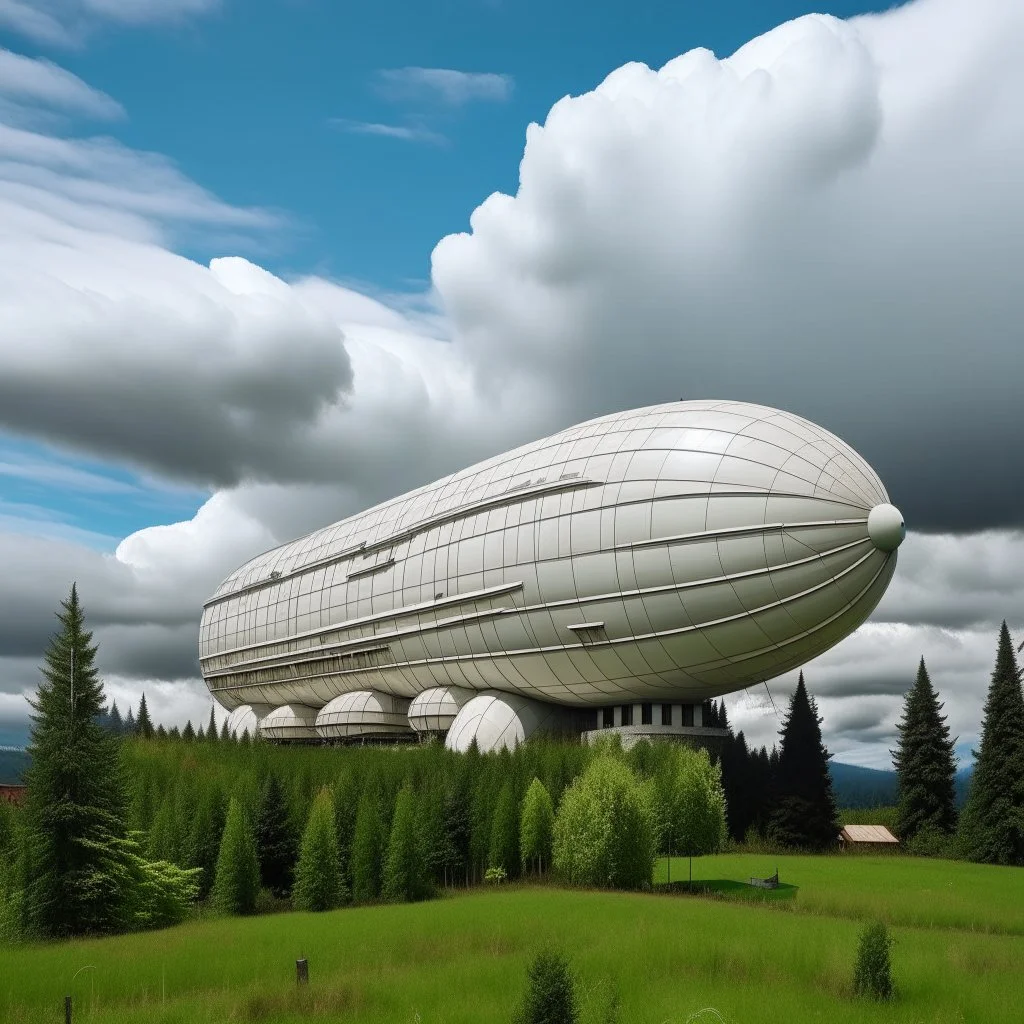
[[12, 763], [856, 787]]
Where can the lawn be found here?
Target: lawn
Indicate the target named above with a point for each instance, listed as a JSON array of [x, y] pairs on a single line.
[[462, 958]]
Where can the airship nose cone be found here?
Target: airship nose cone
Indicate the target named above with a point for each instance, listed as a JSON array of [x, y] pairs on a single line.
[[886, 527]]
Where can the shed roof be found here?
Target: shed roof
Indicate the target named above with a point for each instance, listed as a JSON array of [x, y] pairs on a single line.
[[867, 834]]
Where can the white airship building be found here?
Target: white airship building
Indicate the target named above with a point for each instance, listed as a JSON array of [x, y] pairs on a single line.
[[612, 576]]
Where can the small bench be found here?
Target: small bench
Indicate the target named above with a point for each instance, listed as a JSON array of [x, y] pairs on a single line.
[[766, 883]]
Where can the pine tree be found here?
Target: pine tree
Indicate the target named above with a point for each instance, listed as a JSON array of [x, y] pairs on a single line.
[[174, 733], [723, 718], [924, 763], [458, 825], [318, 881], [200, 735], [188, 733], [346, 806], [76, 810], [992, 823], [144, 724], [403, 867], [161, 732], [367, 847], [114, 721], [275, 839], [204, 838], [237, 881], [211, 726], [504, 847], [225, 733], [535, 828], [805, 815]]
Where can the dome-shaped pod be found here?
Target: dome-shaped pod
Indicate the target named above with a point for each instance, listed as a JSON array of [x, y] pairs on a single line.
[[290, 723], [247, 718], [434, 710], [364, 714], [504, 720]]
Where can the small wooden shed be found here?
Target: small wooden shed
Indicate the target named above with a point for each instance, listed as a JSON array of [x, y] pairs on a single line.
[[867, 837], [13, 794]]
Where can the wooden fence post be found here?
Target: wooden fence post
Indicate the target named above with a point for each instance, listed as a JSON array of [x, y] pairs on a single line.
[[302, 972]]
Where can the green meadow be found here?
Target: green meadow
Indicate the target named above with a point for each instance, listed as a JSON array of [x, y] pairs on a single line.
[[958, 928]]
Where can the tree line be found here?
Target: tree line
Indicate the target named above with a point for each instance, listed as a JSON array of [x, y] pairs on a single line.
[[131, 830]]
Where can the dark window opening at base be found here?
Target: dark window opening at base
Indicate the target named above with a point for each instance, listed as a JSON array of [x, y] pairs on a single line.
[[687, 714], [666, 714], [646, 714], [627, 714], [607, 718]]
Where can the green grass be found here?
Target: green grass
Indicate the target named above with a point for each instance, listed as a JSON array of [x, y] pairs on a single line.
[[899, 890], [462, 959]]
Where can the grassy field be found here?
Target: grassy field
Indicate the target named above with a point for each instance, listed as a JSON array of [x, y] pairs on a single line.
[[959, 933]]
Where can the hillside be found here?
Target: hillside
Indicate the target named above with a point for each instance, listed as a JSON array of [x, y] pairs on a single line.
[[12, 764]]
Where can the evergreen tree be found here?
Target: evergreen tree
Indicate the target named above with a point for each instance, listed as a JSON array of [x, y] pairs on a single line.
[[504, 847], [200, 735], [129, 723], [174, 733], [458, 826], [723, 718], [805, 815], [204, 838], [114, 721], [367, 847], [188, 733], [346, 806], [75, 815], [144, 724], [992, 822], [237, 881], [211, 726], [275, 839], [318, 881], [225, 732], [167, 840], [550, 996], [161, 732], [535, 828], [924, 762], [404, 869]]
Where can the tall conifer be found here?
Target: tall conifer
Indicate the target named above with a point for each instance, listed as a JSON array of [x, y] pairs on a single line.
[[318, 881], [77, 803], [992, 824], [367, 847], [237, 880], [805, 814], [144, 724], [924, 762], [211, 726], [275, 839], [404, 876]]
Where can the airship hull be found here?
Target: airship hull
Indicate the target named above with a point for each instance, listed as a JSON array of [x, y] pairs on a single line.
[[672, 553]]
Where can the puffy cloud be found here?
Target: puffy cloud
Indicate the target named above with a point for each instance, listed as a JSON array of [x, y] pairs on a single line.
[[827, 221]]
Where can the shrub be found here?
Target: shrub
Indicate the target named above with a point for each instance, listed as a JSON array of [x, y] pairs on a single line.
[[872, 976], [550, 996], [604, 834]]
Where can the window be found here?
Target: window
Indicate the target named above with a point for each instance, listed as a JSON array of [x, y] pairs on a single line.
[[627, 714], [646, 714], [688, 714], [608, 717], [666, 714]]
